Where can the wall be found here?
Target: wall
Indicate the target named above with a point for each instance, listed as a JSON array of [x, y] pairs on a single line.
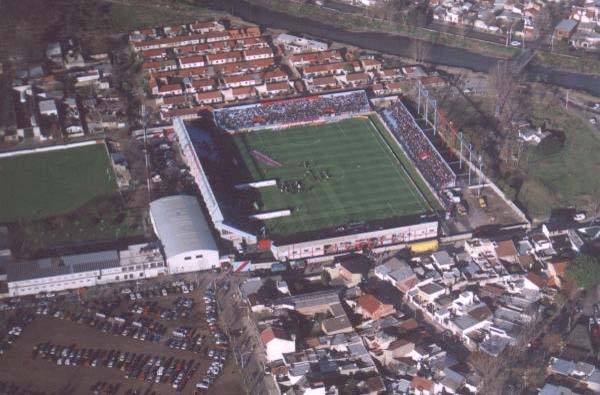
[[51, 148]]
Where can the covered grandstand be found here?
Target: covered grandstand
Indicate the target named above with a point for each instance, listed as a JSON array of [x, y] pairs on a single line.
[[283, 113]]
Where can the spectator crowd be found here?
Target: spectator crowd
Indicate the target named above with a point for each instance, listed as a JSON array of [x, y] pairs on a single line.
[[292, 111], [427, 159]]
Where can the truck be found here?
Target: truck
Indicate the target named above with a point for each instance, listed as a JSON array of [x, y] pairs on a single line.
[[482, 201]]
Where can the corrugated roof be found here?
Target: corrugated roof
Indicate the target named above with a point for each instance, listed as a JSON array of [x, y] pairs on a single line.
[[180, 225]]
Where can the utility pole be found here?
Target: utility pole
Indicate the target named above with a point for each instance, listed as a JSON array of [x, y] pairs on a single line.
[[567, 100], [145, 121], [460, 157]]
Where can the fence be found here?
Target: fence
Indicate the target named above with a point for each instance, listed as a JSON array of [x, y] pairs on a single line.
[[51, 148]]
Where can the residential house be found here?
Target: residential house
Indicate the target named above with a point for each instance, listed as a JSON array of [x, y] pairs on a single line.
[[507, 252], [277, 342], [370, 307], [565, 29]]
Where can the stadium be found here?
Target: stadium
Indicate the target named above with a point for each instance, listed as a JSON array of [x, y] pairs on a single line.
[[315, 176]]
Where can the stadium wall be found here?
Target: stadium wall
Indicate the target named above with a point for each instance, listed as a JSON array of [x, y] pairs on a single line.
[[188, 153], [191, 158], [356, 242], [51, 148], [256, 184]]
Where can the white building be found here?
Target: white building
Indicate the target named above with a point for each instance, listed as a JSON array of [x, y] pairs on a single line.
[[297, 44], [83, 270], [184, 233], [277, 343], [48, 107]]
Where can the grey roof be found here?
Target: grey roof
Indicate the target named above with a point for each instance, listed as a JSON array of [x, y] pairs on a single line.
[[47, 106], [340, 323], [551, 389], [396, 268], [566, 25], [180, 225], [465, 322], [48, 267], [317, 298], [92, 257], [443, 258], [251, 286], [431, 288]]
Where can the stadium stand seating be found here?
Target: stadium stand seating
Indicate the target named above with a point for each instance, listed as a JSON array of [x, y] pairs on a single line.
[[427, 159], [292, 111]]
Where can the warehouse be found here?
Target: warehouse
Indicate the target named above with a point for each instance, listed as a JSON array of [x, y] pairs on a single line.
[[187, 241]]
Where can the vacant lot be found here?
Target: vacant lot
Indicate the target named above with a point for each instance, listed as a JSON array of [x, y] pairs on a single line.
[[345, 170], [48, 183], [568, 176]]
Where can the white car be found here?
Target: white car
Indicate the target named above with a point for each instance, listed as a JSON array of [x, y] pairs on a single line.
[[204, 384], [579, 217], [515, 43], [453, 198]]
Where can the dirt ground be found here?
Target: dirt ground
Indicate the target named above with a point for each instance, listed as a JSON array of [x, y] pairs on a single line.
[[497, 212], [18, 367]]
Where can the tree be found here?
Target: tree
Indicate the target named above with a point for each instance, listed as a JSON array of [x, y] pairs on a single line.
[[552, 343], [325, 278], [584, 271]]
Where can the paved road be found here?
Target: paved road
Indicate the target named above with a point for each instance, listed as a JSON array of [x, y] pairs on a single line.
[[244, 337]]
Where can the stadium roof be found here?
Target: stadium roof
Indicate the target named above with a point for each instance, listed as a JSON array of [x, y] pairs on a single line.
[[180, 225]]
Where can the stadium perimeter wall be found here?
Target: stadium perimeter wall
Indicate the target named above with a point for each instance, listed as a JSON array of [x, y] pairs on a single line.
[[384, 238]]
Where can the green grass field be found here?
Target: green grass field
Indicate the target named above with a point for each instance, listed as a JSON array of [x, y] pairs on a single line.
[[54, 182], [366, 181], [565, 178]]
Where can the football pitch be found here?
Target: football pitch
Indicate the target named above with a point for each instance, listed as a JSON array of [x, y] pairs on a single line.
[[328, 175], [38, 185]]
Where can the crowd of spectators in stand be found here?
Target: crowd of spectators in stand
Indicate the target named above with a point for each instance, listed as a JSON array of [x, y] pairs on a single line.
[[427, 159], [292, 111]]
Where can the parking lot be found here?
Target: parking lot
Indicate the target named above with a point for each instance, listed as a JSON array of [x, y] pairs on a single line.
[[141, 340]]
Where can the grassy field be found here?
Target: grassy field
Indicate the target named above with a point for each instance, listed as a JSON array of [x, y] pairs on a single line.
[[567, 177], [28, 25], [53, 182], [347, 171]]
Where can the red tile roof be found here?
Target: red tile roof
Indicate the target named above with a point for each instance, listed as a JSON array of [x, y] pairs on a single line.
[[369, 303], [421, 383], [506, 248], [273, 333], [537, 280]]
